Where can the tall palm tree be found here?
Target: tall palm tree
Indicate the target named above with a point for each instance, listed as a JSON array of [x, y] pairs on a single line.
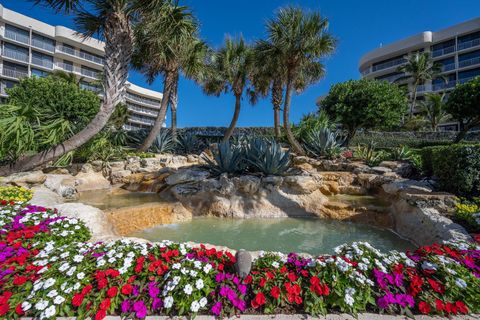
[[300, 39], [420, 68], [112, 20], [166, 54], [434, 109], [229, 70]]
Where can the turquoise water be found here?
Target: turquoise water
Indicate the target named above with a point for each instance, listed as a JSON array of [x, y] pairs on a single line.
[[309, 235]]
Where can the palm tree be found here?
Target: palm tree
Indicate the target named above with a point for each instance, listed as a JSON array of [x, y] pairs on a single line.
[[66, 76], [112, 20], [420, 68], [434, 109], [229, 70], [167, 53], [301, 40]]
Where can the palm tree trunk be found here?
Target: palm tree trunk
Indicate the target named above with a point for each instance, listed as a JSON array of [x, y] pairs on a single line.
[[297, 148], [118, 52], [173, 107], [277, 93], [414, 100], [236, 114], [157, 126]]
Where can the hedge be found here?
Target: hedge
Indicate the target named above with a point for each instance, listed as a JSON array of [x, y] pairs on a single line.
[[456, 167]]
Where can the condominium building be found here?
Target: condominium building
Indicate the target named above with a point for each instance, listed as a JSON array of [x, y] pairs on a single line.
[[456, 48], [32, 48]]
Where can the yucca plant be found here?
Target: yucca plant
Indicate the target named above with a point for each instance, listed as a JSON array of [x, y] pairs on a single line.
[[323, 142], [402, 153], [368, 154], [267, 157], [227, 158], [188, 143]]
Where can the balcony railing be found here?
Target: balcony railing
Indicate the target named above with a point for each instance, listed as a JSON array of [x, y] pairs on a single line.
[[19, 37], [11, 73], [388, 64], [129, 127], [424, 88], [143, 100], [468, 44], [463, 80], [80, 54], [89, 73], [142, 120], [444, 85], [90, 87], [392, 78], [448, 67], [80, 71], [15, 55], [42, 63], [142, 110], [41, 44], [469, 62], [366, 71], [443, 51]]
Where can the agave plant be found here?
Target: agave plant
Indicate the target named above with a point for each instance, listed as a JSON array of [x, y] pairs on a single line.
[[368, 154], [188, 143], [323, 142], [227, 158], [402, 153], [266, 156], [163, 141]]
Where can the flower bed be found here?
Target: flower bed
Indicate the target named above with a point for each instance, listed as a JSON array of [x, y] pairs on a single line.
[[47, 270]]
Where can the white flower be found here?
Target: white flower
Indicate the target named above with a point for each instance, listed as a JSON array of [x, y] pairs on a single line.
[[71, 271], [26, 306], [203, 302], [275, 264], [349, 300], [461, 283], [50, 311], [80, 275], [350, 291], [193, 273], [78, 258], [188, 289], [52, 293], [168, 302], [176, 266], [207, 268], [197, 264], [426, 265], [41, 305], [362, 266], [195, 306], [199, 284], [58, 300], [48, 283]]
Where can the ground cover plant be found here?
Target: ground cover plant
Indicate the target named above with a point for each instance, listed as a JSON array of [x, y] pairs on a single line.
[[47, 269]]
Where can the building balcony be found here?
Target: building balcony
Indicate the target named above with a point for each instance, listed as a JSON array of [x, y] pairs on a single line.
[[141, 120], [40, 44], [463, 80], [16, 55], [42, 63], [448, 67], [79, 71], [91, 87], [444, 85], [17, 36], [142, 110], [468, 44], [140, 99], [469, 62], [388, 64], [80, 54], [393, 78], [443, 51], [15, 74]]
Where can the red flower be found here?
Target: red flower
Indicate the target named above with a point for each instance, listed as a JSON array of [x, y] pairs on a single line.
[[77, 300], [87, 289], [292, 277], [112, 292], [437, 287], [450, 308], [220, 267], [101, 314], [461, 307], [127, 289], [248, 279], [4, 308], [105, 304], [424, 307], [270, 275], [20, 280], [296, 289], [439, 305], [262, 283], [102, 283], [275, 292], [259, 300], [314, 280], [112, 273], [298, 300], [19, 310], [283, 269]]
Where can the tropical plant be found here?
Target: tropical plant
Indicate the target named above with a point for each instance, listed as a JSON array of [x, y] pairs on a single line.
[[66, 76], [112, 20], [419, 67], [433, 109], [312, 122], [402, 153], [323, 142], [188, 143], [41, 113], [300, 39], [228, 71], [368, 154], [366, 104], [267, 157], [162, 143], [227, 158], [177, 49], [463, 104]]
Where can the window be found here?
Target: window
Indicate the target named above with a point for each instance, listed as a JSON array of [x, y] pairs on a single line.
[[68, 65], [42, 60], [43, 42], [17, 34], [39, 73], [468, 41], [15, 52], [89, 72], [91, 57], [443, 48], [468, 75], [469, 59], [388, 63]]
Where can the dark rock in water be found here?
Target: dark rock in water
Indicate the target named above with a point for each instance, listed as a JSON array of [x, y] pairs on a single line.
[[244, 263]]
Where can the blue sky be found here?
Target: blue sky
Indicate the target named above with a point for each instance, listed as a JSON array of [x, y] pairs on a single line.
[[360, 26]]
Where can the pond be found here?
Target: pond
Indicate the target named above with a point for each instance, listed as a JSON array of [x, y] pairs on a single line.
[[308, 235], [117, 199]]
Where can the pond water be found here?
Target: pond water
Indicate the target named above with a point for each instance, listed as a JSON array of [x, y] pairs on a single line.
[[118, 199], [309, 235]]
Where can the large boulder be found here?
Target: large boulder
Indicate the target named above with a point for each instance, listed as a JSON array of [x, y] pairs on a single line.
[[401, 185], [25, 179], [302, 184], [247, 184], [90, 180], [187, 175], [63, 184], [45, 197], [120, 176]]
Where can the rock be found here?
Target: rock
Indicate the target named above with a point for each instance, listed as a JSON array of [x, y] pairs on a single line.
[[330, 188], [358, 167], [372, 181], [186, 175], [401, 185], [243, 263], [151, 164], [389, 164], [275, 181], [192, 158], [116, 166], [247, 184], [85, 181], [29, 178], [95, 219], [226, 186], [303, 184], [381, 170], [45, 197], [89, 167], [132, 164], [120, 176], [353, 190], [55, 170], [62, 184]]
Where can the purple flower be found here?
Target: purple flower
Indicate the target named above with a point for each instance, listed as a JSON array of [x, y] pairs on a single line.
[[125, 306], [157, 303], [398, 279], [217, 308], [220, 277], [242, 288], [380, 277], [136, 291], [404, 299], [153, 291], [140, 309], [385, 301]]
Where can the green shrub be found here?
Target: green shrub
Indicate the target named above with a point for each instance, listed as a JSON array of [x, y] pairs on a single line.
[[163, 142], [368, 154], [456, 167], [388, 142], [188, 143], [267, 157], [227, 158], [323, 143]]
